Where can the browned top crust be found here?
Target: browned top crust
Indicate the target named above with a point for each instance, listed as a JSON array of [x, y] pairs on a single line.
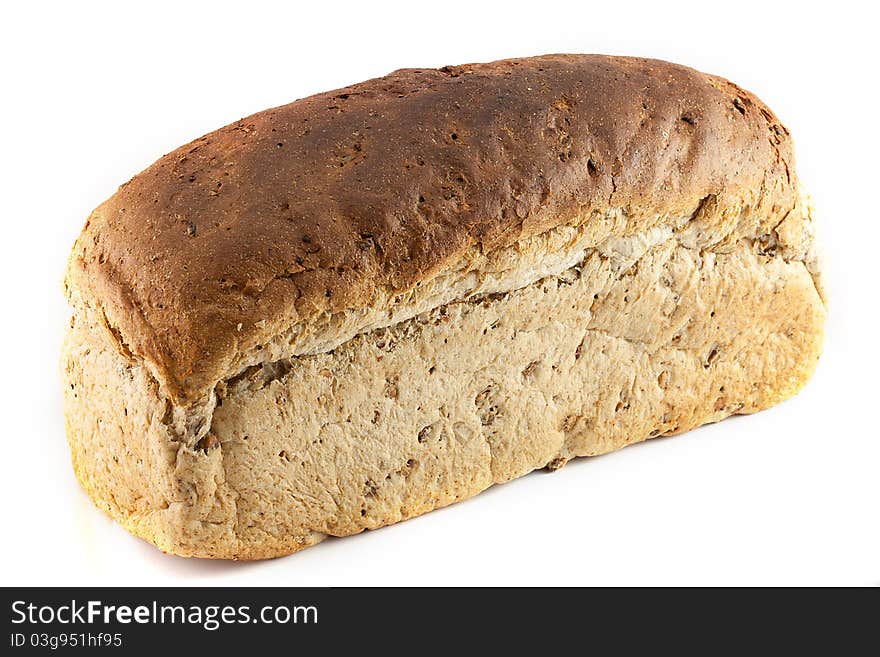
[[314, 206]]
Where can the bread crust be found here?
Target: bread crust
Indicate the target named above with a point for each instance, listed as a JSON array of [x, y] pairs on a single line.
[[348, 198]]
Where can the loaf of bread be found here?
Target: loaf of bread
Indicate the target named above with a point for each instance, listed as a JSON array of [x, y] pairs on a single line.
[[367, 304]]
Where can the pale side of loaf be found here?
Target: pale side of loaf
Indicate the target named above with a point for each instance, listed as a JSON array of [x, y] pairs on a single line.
[[370, 303]]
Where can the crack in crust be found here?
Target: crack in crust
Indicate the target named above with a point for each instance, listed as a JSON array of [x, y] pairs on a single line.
[[458, 288]]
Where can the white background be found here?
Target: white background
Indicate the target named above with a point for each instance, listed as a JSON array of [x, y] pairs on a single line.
[[94, 93]]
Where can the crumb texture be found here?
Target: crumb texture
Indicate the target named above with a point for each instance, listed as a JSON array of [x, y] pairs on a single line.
[[628, 344]]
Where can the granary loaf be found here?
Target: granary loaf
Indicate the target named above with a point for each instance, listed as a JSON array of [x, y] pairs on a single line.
[[340, 313]]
